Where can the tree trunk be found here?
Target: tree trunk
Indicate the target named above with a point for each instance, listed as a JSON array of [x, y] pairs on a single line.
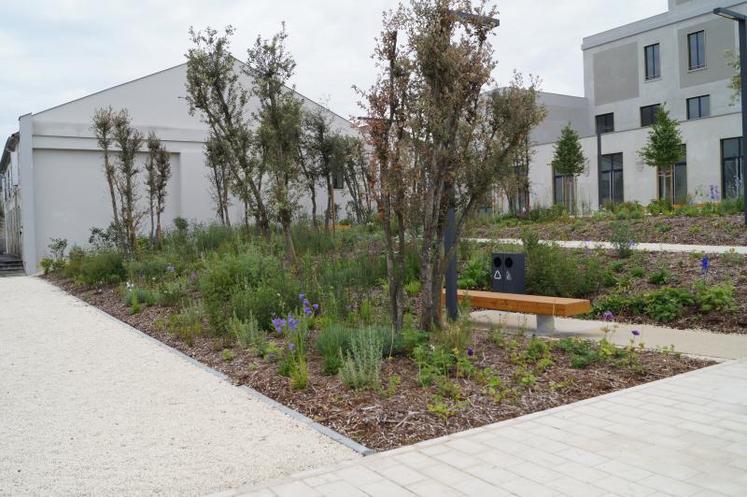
[[328, 214], [314, 220]]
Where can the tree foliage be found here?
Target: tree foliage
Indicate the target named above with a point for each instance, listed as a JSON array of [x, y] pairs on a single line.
[[436, 138], [664, 145], [569, 158], [158, 172]]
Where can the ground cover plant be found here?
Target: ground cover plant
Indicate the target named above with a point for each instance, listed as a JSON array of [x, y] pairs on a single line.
[[316, 336]]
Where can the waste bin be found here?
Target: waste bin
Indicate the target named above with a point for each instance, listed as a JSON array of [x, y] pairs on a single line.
[[509, 273]]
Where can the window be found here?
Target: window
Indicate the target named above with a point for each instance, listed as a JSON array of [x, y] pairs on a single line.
[[611, 180], [731, 167], [696, 50], [564, 191], [338, 181], [698, 107], [678, 182], [653, 61], [605, 123], [648, 115]]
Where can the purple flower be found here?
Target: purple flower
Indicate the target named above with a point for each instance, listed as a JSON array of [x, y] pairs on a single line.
[[705, 264], [292, 323], [636, 333], [278, 324], [470, 351], [608, 316], [291, 346], [316, 307], [301, 297]]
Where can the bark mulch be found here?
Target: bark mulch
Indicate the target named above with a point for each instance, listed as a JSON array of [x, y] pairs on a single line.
[[702, 230], [399, 414]]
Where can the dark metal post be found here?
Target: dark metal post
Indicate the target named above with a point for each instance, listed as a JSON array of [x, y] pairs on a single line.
[[743, 73], [452, 308]]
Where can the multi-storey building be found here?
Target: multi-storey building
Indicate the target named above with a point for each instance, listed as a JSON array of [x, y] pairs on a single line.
[[681, 60]]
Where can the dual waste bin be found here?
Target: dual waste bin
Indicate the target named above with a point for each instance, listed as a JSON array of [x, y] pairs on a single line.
[[508, 273]]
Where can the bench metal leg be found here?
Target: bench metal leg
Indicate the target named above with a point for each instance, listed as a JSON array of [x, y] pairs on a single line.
[[545, 325]]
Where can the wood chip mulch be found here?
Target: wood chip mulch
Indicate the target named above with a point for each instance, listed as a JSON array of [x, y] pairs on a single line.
[[399, 414]]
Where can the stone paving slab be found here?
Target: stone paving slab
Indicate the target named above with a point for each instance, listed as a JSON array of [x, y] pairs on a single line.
[[694, 342], [684, 436], [92, 407]]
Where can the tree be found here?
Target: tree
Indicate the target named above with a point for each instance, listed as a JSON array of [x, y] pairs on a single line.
[[217, 158], [215, 93], [569, 161], [279, 133], [436, 138], [129, 141], [664, 148], [158, 169], [322, 145], [358, 178], [103, 128]]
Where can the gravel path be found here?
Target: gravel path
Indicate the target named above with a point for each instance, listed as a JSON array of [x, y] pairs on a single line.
[[89, 406]]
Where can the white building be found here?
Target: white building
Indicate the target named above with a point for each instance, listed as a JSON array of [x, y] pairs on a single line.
[[678, 59], [52, 174]]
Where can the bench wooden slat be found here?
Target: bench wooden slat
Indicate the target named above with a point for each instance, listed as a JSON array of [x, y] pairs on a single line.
[[527, 304]]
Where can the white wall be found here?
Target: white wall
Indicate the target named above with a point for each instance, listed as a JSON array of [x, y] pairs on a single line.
[[64, 188]]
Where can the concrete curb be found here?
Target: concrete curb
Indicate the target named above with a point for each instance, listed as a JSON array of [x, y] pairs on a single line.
[[295, 415], [642, 247]]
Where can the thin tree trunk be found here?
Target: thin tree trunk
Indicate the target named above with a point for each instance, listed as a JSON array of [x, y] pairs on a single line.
[[330, 204]]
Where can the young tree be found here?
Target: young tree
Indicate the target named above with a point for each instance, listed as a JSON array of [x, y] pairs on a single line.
[[436, 139], [217, 158], [158, 169], [569, 161], [309, 172], [215, 93], [358, 179], [129, 141], [279, 133], [322, 144], [103, 128], [663, 150]]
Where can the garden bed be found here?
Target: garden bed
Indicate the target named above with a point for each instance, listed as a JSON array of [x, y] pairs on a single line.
[[698, 230], [504, 376]]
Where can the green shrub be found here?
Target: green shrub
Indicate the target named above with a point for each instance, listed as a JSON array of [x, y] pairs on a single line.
[[172, 293], [150, 267], [413, 288], [475, 275], [638, 272], [187, 324], [74, 262], [617, 303], [667, 304], [212, 237], [102, 268], [660, 277], [718, 297], [659, 207], [248, 334], [622, 239], [547, 214], [299, 374], [361, 366], [333, 343], [135, 296], [556, 272]]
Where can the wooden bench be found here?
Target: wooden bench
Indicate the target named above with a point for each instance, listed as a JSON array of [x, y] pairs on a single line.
[[546, 308]]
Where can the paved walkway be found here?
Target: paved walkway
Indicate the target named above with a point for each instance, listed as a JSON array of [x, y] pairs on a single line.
[[683, 436], [643, 247], [90, 407], [694, 342]]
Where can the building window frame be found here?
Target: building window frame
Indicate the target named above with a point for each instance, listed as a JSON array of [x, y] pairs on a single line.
[[727, 188], [605, 123], [703, 108], [652, 61], [696, 59], [648, 114], [612, 167], [678, 183]]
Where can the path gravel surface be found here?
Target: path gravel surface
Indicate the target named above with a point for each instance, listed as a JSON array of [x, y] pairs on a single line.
[[91, 407]]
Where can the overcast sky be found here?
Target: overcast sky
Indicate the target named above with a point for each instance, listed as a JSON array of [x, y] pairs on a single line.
[[52, 51]]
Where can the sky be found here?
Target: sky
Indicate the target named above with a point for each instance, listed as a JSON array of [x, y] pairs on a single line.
[[53, 51]]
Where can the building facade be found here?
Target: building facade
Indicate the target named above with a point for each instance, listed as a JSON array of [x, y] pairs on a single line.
[[679, 60], [52, 169]]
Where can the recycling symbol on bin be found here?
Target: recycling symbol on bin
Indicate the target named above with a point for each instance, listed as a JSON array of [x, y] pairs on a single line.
[[498, 276]]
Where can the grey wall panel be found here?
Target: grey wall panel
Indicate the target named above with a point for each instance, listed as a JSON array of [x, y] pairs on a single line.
[[719, 39], [616, 74]]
